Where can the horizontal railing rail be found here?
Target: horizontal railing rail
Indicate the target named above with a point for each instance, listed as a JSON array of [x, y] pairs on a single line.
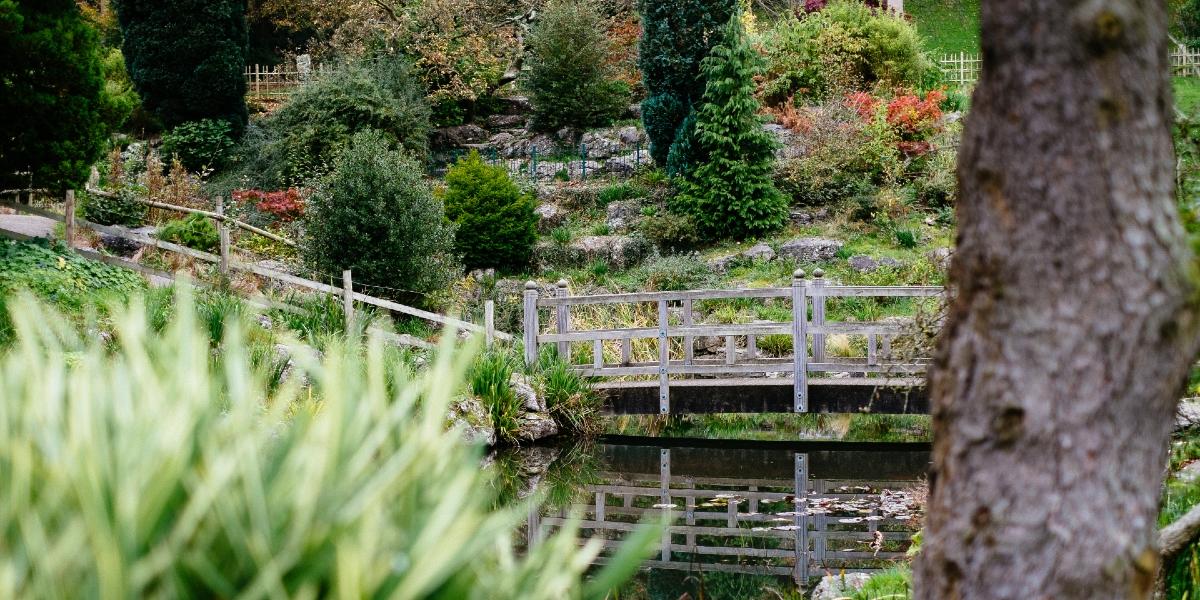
[[808, 303], [227, 264]]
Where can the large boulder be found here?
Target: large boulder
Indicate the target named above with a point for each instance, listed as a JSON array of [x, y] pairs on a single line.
[[866, 264], [528, 395], [535, 426], [790, 144], [836, 587], [457, 137], [940, 257], [505, 122], [1187, 416], [808, 217], [807, 250], [761, 252], [550, 216], [122, 246], [618, 251], [472, 417], [622, 214], [601, 144]]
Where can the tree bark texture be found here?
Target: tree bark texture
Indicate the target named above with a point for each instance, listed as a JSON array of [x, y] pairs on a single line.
[[1072, 321]]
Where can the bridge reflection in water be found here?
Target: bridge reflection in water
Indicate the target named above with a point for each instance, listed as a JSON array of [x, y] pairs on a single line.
[[782, 512]]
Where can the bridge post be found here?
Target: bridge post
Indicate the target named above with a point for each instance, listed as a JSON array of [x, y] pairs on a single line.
[[818, 314], [531, 323], [564, 320], [664, 360], [799, 342]]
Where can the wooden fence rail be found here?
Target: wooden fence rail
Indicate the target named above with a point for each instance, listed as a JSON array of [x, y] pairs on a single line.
[[962, 69], [225, 260], [879, 336]]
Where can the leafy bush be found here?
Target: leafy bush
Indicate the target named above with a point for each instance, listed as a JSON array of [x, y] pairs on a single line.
[[843, 157], [1188, 13], [376, 216], [193, 231], [120, 99], [51, 96], [731, 193], [937, 185], [674, 274], [570, 82], [121, 208], [846, 46], [204, 144], [906, 238], [497, 225], [285, 205], [214, 486], [56, 274], [187, 58], [670, 232], [913, 120], [300, 142]]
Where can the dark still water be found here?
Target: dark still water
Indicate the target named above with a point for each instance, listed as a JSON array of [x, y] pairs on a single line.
[[751, 519]]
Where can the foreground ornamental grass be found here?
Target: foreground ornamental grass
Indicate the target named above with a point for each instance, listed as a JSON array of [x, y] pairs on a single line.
[[156, 467]]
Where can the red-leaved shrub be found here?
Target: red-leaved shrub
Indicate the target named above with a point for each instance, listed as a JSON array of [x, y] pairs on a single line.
[[285, 205], [913, 119]]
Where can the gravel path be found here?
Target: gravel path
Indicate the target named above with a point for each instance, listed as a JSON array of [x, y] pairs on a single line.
[[30, 225]]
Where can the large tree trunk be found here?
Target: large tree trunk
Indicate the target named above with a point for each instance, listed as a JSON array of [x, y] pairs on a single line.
[[1072, 325]]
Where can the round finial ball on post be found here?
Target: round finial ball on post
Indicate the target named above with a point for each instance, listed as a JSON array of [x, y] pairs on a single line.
[[798, 274], [818, 273], [531, 285], [562, 283]]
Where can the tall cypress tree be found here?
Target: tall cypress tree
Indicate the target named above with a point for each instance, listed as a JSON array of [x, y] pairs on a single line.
[[187, 58], [51, 86], [676, 37], [729, 191]]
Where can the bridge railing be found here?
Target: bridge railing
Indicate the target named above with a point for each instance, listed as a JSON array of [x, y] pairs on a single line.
[[806, 324]]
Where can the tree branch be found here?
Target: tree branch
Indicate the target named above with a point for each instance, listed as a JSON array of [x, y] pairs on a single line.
[[1173, 538]]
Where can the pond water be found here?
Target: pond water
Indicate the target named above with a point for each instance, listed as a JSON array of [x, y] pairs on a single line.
[[750, 519]]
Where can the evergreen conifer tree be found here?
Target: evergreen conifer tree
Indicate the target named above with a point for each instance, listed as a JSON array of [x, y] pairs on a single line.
[[729, 190], [51, 95], [187, 58], [676, 37], [571, 82]]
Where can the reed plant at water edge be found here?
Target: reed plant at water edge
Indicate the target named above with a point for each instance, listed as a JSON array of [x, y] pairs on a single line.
[[147, 469]]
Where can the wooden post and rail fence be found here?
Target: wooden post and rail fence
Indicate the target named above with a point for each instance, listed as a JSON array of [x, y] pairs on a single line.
[[227, 264], [753, 376]]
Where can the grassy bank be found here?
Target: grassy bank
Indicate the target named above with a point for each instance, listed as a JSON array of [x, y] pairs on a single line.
[[947, 25]]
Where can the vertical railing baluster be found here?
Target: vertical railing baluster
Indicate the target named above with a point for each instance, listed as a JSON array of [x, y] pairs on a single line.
[[564, 321], [799, 343], [531, 323], [689, 342], [664, 361], [818, 316], [664, 497]]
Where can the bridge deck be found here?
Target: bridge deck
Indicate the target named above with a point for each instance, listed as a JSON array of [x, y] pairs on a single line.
[[707, 396]]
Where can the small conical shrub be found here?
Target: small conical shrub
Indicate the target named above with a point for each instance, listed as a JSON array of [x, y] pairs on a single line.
[[729, 190], [497, 225]]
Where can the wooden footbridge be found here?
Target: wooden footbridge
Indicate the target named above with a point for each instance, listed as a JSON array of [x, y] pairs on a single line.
[[655, 369]]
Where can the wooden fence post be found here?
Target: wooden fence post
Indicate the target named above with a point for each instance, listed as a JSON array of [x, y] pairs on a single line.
[[223, 235], [564, 321], [664, 360], [799, 343], [489, 322], [818, 314], [531, 323], [348, 299], [69, 219]]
